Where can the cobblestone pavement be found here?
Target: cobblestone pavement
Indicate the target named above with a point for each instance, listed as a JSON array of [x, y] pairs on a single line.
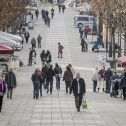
[[58, 109]]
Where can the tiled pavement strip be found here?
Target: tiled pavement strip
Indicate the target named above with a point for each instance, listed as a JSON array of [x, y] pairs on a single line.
[[58, 109]]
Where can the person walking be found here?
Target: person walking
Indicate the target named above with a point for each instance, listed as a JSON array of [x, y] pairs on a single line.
[[27, 36], [79, 89], [123, 85], [30, 57], [83, 43], [68, 78], [36, 79], [59, 7], [60, 50], [101, 81], [44, 71], [85, 32], [63, 8], [95, 78], [37, 13], [34, 56], [108, 75], [33, 42], [48, 58], [2, 90], [11, 82], [58, 75], [49, 78], [39, 39], [43, 58], [52, 13]]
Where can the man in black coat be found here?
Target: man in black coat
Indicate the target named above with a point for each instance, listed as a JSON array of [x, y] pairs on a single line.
[[79, 89], [49, 78]]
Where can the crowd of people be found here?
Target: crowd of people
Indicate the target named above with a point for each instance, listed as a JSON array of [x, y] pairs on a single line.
[[110, 82]]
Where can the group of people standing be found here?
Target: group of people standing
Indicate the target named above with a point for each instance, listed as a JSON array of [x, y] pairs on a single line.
[[104, 78]]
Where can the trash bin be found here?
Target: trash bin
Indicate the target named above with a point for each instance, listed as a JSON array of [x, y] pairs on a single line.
[[30, 25]]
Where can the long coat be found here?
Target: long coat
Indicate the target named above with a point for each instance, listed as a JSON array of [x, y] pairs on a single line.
[[10, 79], [74, 87]]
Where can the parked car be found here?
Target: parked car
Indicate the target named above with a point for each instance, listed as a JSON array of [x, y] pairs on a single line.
[[6, 41], [17, 39]]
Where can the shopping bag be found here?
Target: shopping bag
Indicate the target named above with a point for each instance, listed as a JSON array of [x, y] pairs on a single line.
[[84, 103]]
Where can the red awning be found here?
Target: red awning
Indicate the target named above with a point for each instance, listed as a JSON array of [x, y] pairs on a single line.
[[6, 49], [122, 61]]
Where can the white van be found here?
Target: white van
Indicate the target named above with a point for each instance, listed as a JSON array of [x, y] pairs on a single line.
[[84, 20]]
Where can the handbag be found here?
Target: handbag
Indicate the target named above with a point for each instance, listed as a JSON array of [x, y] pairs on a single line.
[[84, 103]]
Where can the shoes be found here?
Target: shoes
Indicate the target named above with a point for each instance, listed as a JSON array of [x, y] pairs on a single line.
[[41, 95], [78, 110], [34, 97]]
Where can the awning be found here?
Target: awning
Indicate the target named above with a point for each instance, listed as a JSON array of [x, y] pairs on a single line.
[[122, 61], [6, 49]]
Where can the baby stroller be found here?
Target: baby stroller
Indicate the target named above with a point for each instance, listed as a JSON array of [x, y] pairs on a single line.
[[114, 88]]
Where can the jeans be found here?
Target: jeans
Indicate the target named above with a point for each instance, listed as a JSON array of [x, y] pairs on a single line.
[[1, 102], [124, 93], [108, 85], [10, 92], [60, 54], [68, 84], [36, 90], [57, 82], [49, 82], [94, 85], [41, 89], [78, 101]]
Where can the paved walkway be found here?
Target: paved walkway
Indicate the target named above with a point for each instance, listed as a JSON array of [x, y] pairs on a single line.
[[58, 109]]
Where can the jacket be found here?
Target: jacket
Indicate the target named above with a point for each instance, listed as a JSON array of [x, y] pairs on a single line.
[[49, 74], [123, 82], [68, 76], [58, 70], [95, 76], [36, 79], [2, 88], [108, 75], [74, 87], [10, 79]]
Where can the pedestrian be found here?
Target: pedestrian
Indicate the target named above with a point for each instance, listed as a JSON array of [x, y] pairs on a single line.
[[68, 78], [26, 35], [33, 42], [41, 82], [79, 89], [63, 8], [59, 7], [95, 78], [101, 81], [36, 79], [72, 70], [58, 75], [60, 50], [48, 58], [44, 71], [11, 82], [43, 58], [49, 78], [34, 56], [108, 75], [123, 85], [83, 48], [48, 21], [39, 39], [81, 32], [2, 90], [37, 13], [30, 57], [52, 13], [85, 32]]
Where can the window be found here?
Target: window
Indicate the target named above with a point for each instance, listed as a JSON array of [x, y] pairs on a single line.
[[83, 18]]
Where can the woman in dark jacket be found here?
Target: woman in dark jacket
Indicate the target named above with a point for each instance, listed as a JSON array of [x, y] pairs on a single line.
[[68, 78], [2, 91], [36, 79], [123, 85]]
